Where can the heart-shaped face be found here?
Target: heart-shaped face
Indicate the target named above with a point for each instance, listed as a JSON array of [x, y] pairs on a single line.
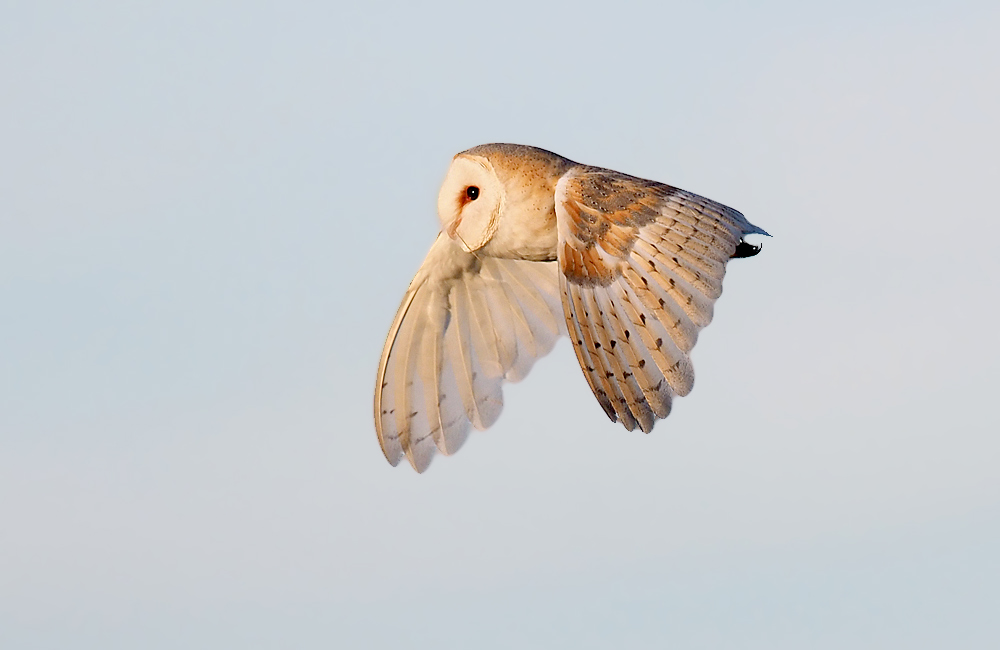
[[470, 201]]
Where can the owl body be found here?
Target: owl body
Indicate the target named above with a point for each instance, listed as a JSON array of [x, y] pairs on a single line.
[[534, 246]]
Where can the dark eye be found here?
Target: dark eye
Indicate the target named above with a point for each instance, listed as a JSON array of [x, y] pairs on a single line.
[[472, 192]]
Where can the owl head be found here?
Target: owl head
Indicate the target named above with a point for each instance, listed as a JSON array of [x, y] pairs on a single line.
[[471, 201]]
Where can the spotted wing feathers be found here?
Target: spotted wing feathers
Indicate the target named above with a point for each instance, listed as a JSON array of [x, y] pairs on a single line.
[[641, 266], [465, 326]]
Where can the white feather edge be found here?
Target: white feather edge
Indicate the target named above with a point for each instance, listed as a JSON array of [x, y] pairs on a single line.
[[391, 447]]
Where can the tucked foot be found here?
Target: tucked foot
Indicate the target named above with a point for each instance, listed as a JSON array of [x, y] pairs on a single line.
[[744, 249]]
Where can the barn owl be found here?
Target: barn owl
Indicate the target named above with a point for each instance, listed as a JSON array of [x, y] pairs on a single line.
[[533, 246]]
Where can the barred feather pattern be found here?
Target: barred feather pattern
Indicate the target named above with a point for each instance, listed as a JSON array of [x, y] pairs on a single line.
[[466, 325], [641, 265]]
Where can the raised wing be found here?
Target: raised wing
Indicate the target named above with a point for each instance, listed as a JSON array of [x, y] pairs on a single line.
[[465, 325], [641, 267]]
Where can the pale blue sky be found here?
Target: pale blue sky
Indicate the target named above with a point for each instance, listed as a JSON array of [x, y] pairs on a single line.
[[210, 210]]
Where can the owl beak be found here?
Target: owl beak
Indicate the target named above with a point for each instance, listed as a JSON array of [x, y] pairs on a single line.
[[453, 228]]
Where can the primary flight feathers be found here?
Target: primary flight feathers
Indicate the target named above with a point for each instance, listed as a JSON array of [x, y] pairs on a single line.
[[532, 246]]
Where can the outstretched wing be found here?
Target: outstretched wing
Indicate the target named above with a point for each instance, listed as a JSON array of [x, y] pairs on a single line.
[[641, 267], [465, 325]]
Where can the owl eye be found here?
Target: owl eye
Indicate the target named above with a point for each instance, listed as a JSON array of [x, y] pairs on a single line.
[[472, 192]]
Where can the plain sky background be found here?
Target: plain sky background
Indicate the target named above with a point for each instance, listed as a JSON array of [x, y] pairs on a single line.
[[209, 212]]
